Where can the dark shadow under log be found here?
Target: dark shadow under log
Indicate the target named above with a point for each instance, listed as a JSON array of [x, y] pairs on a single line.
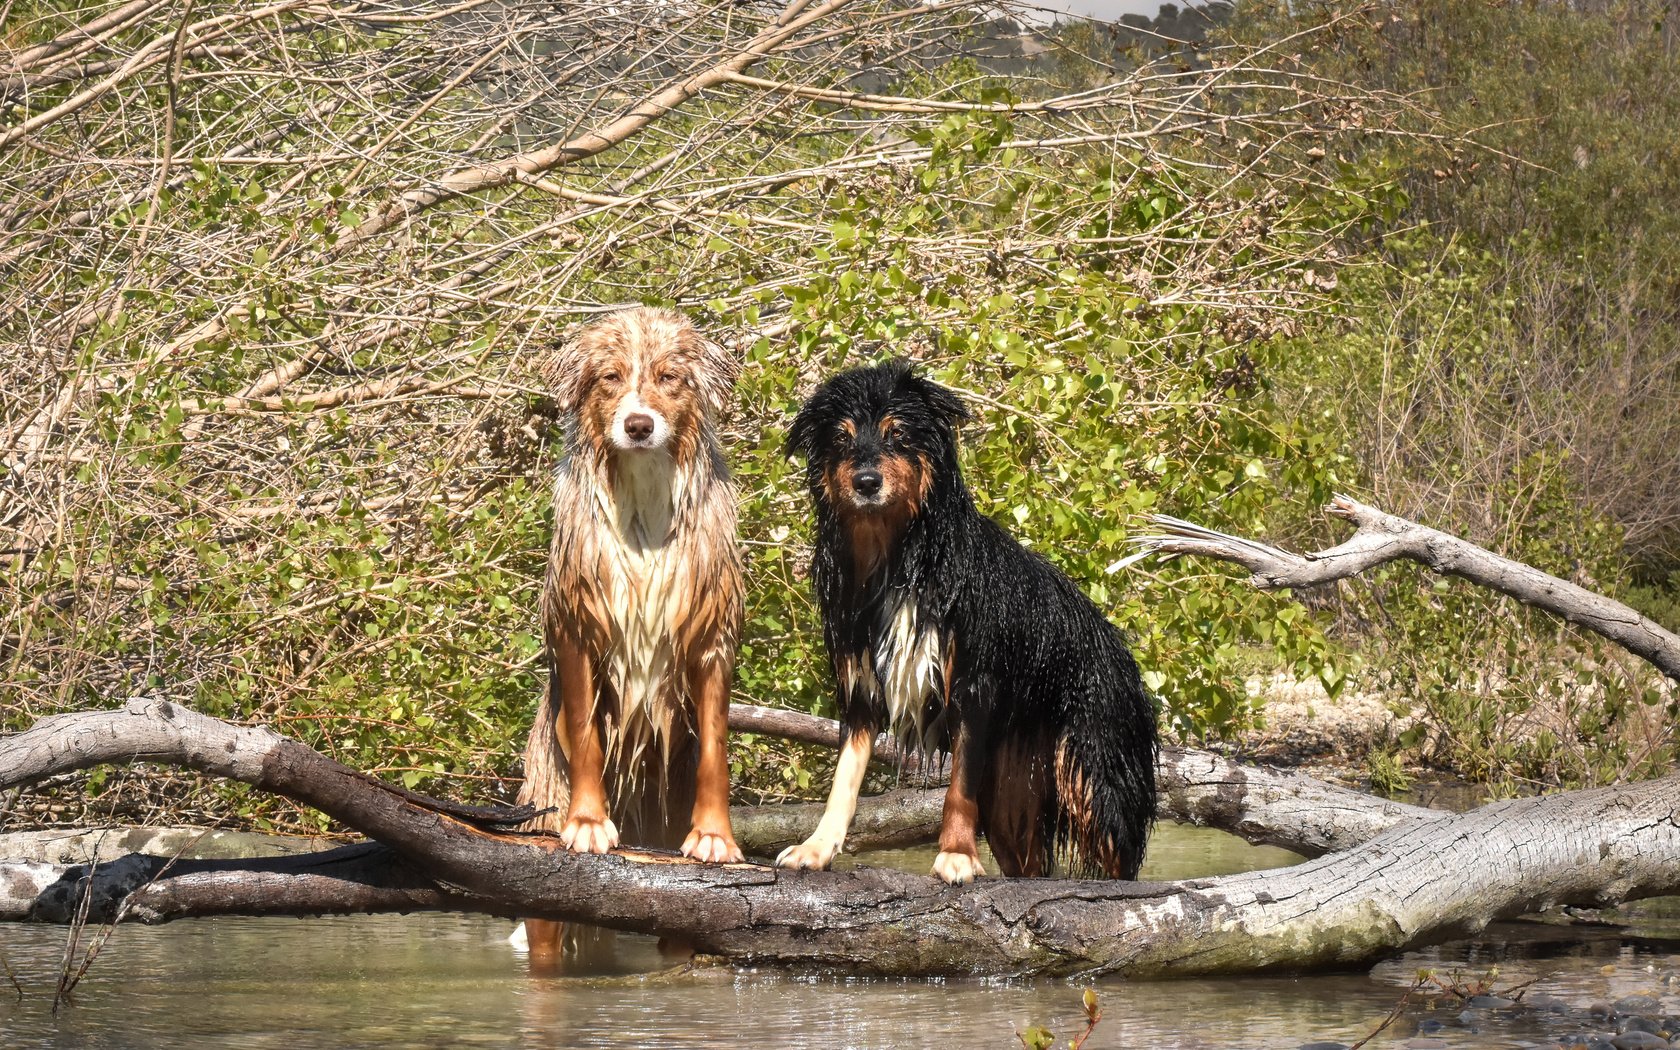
[[359, 878], [1419, 881]]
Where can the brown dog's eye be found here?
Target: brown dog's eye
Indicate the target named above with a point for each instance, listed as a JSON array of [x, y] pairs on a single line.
[[669, 378], [611, 377]]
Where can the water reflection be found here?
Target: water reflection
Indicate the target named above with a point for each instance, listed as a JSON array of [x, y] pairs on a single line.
[[449, 980]]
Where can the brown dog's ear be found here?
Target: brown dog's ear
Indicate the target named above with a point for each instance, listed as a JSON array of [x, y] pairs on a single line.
[[716, 368], [562, 370]]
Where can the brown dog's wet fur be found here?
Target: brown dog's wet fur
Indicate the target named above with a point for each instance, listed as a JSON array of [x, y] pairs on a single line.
[[642, 601]]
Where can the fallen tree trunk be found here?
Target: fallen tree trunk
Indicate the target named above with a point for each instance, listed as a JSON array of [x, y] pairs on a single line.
[[825, 732], [1423, 880], [41, 873], [1264, 806]]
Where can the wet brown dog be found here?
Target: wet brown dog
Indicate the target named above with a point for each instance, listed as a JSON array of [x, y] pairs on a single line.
[[641, 606]]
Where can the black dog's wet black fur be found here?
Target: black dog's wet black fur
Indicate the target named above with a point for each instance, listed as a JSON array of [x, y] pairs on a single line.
[[1036, 666]]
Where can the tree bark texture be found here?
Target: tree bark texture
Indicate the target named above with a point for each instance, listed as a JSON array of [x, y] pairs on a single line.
[[1423, 879], [1382, 538]]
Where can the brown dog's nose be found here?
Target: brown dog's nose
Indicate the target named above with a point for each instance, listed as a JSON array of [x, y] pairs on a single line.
[[638, 427]]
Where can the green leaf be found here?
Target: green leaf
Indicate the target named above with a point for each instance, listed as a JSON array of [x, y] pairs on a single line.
[[1037, 1038]]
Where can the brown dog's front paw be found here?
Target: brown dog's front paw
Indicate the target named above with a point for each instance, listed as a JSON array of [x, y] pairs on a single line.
[[712, 847], [589, 834], [958, 869]]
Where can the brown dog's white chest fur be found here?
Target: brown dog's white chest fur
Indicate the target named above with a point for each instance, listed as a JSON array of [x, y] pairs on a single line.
[[644, 572]]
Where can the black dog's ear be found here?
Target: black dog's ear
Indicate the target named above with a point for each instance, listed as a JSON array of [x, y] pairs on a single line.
[[947, 407], [802, 436], [943, 404]]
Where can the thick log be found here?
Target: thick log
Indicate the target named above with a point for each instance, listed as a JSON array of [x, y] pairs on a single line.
[[1412, 884], [1273, 807], [1264, 806], [1383, 537], [902, 817], [44, 875], [79, 845]]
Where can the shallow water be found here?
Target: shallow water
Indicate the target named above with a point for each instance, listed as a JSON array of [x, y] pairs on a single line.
[[451, 980]]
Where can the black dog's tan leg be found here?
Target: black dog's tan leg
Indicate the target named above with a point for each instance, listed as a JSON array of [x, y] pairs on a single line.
[[711, 839], [587, 828], [959, 826], [817, 852], [1015, 795]]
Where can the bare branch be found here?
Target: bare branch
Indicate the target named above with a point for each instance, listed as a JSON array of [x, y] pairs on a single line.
[[1382, 538], [481, 177], [84, 37]]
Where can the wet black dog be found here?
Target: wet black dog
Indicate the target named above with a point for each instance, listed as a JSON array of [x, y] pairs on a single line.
[[945, 629]]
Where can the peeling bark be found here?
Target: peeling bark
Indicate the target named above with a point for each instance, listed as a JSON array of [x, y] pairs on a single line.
[[1424, 879]]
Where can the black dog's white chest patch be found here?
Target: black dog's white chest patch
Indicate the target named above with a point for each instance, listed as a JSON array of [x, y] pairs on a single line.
[[907, 668]]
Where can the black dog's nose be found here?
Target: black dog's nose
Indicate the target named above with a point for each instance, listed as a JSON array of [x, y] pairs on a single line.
[[867, 482], [638, 427]]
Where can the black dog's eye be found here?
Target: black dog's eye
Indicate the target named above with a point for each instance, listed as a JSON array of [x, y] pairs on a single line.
[[897, 435], [842, 438]]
